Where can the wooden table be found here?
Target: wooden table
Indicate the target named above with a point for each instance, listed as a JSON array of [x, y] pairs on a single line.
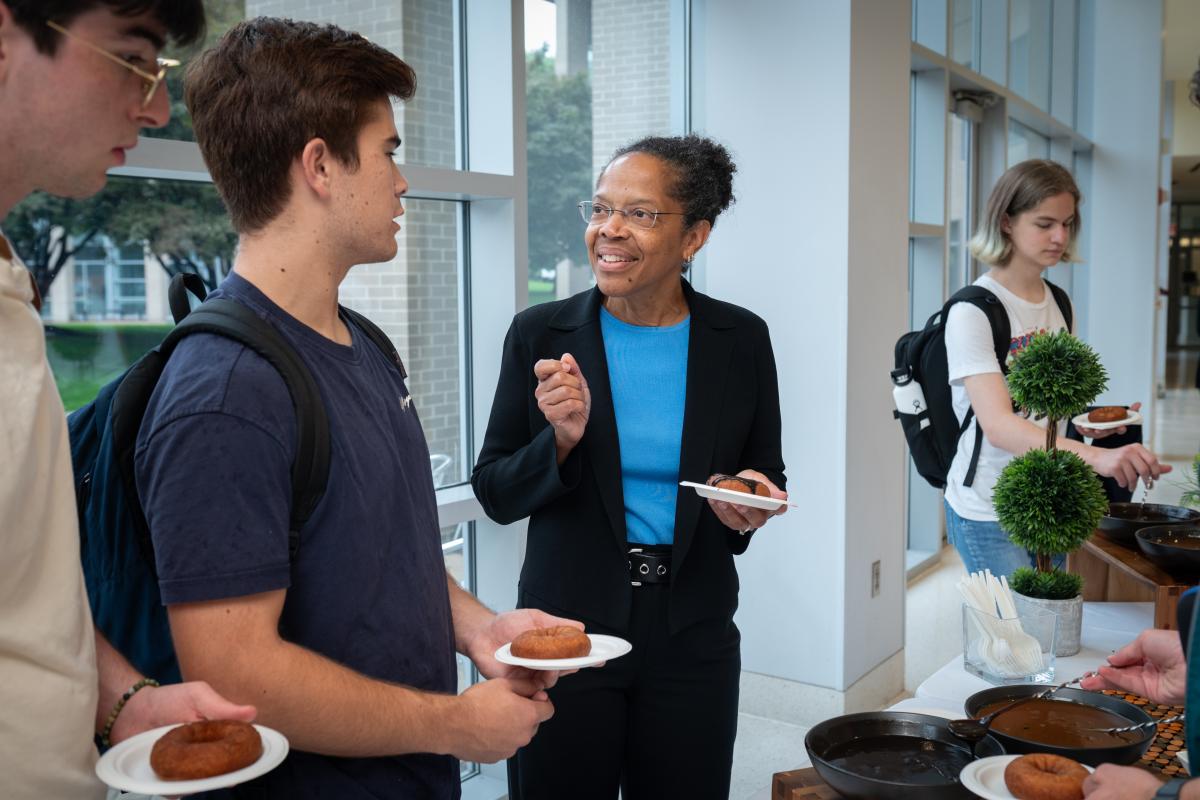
[[1111, 571], [801, 784]]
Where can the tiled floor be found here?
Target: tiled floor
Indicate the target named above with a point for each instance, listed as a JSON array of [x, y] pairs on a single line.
[[765, 747]]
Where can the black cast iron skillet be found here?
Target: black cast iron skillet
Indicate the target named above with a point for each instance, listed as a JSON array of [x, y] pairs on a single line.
[[1123, 520], [1118, 754], [1161, 544], [893, 754]]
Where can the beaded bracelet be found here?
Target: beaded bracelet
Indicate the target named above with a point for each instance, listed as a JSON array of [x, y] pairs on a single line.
[[112, 715]]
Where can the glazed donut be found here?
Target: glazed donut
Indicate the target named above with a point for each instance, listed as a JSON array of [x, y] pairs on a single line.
[[557, 642], [206, 748], [736, 483], [1042, 776], [1107, 414]]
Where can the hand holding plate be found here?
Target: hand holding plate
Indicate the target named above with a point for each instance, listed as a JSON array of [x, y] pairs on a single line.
[[743, 518]]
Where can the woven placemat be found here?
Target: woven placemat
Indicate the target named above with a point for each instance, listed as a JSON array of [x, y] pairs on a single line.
[[1160, 756]]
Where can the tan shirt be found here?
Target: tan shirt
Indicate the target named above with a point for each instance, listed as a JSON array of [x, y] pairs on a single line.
[[48, 682]]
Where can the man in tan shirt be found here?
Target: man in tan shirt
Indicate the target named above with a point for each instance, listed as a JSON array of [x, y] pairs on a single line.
[[77, 84]]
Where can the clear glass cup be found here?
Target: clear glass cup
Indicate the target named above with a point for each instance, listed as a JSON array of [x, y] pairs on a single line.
[[1003, 651]]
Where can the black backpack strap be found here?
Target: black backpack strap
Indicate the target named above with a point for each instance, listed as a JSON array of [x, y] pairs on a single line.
[[997, 316], [376, 335], [1064, 305], [177, 294], [310, 469]]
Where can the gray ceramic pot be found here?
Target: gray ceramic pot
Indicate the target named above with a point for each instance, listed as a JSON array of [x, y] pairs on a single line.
[[1070, 619]]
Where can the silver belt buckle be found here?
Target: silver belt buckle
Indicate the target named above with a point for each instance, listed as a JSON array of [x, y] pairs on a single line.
[[629, 564]]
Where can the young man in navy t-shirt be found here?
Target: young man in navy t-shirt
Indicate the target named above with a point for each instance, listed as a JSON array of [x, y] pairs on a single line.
[[350, 649]]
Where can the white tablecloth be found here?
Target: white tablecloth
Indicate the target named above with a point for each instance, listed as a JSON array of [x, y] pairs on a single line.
[[1106, 627]]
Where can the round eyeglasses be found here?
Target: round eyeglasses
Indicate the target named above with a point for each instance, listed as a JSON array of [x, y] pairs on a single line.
[[150, 80], [599, 213]]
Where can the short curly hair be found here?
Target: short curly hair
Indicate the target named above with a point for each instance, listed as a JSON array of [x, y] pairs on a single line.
[[703, 170]]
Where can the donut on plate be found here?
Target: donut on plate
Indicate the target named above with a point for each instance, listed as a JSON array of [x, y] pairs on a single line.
[[204, 749], [1042, 776], [560, 641], [1107, 414], [736, 483]]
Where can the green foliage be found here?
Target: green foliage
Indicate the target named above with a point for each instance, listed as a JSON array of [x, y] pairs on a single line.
[[1054, 585], [1056, 375], [85, 356], [1191, 484], [1049, 503], [559, 132], [221, 15]]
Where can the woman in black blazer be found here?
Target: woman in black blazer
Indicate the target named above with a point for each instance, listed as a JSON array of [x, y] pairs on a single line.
[[605, 402]]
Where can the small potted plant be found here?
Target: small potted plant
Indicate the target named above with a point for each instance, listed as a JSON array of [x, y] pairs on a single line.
[[1049, 501]]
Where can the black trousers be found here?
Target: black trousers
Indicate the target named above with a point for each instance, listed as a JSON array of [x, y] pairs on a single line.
[[657, 723]]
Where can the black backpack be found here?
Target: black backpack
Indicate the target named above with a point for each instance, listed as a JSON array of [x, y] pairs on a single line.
[[934, 430], [115, 545]]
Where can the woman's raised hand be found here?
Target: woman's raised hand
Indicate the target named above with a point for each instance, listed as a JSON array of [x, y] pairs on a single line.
[[564, 398]]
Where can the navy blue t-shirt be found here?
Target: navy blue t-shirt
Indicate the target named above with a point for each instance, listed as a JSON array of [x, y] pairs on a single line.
[[368, 587]]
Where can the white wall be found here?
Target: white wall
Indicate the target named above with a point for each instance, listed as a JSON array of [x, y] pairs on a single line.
[[878, 312], [823, 189], [1127, 70]]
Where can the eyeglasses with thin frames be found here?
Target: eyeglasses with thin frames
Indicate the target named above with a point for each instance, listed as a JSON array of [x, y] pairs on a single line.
[[599, 213], [149, 79]]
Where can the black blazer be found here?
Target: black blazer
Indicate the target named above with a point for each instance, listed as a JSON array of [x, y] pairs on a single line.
[[576, 561]]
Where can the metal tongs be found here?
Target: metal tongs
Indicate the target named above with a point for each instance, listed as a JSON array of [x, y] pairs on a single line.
[[1140, 725]]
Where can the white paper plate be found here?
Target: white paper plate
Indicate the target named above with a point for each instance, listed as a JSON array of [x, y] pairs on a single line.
[[127, 766], [1131, 418], [985, 777], [736, 498], [604, 648]]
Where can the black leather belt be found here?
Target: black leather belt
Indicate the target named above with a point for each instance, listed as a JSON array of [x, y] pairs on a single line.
[[649, 565]]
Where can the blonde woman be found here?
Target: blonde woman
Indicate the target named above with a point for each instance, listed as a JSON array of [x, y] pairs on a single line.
[[1031, 223]]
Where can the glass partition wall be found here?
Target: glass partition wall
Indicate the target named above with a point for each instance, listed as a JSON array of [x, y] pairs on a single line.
[[994, 82]]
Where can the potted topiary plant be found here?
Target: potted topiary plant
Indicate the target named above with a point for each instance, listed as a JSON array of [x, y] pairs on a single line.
[[1048, 500]]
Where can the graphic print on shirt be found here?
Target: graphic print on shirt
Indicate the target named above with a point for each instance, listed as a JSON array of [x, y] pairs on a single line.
[[1019, 343]]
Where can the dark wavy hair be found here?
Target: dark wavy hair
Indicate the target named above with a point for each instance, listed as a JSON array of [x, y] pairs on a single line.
[[703, 173], [267, 88], [183, 19]]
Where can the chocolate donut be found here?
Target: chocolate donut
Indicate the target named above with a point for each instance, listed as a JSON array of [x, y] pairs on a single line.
[[557, 642], [206, 748], [1042, 776], [736, 483], [1107, 414]]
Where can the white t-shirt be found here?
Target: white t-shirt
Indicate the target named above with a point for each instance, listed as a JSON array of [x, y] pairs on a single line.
[[970, 350], [48, 682]]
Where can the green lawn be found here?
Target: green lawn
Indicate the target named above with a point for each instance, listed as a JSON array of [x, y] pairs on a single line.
[[540, 291], [87, 355]]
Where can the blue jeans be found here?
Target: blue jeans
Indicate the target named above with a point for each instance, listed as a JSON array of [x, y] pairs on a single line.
[[984, 545]]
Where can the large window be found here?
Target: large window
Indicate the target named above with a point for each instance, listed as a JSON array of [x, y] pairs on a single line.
[[1029, 28], [425, 33], [599, 74], [1009, 71], [419, 301]]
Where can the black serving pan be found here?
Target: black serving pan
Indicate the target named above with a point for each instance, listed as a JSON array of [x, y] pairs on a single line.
[[921, 759], [1124, 520], [1159, 543], [1095, 756]]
